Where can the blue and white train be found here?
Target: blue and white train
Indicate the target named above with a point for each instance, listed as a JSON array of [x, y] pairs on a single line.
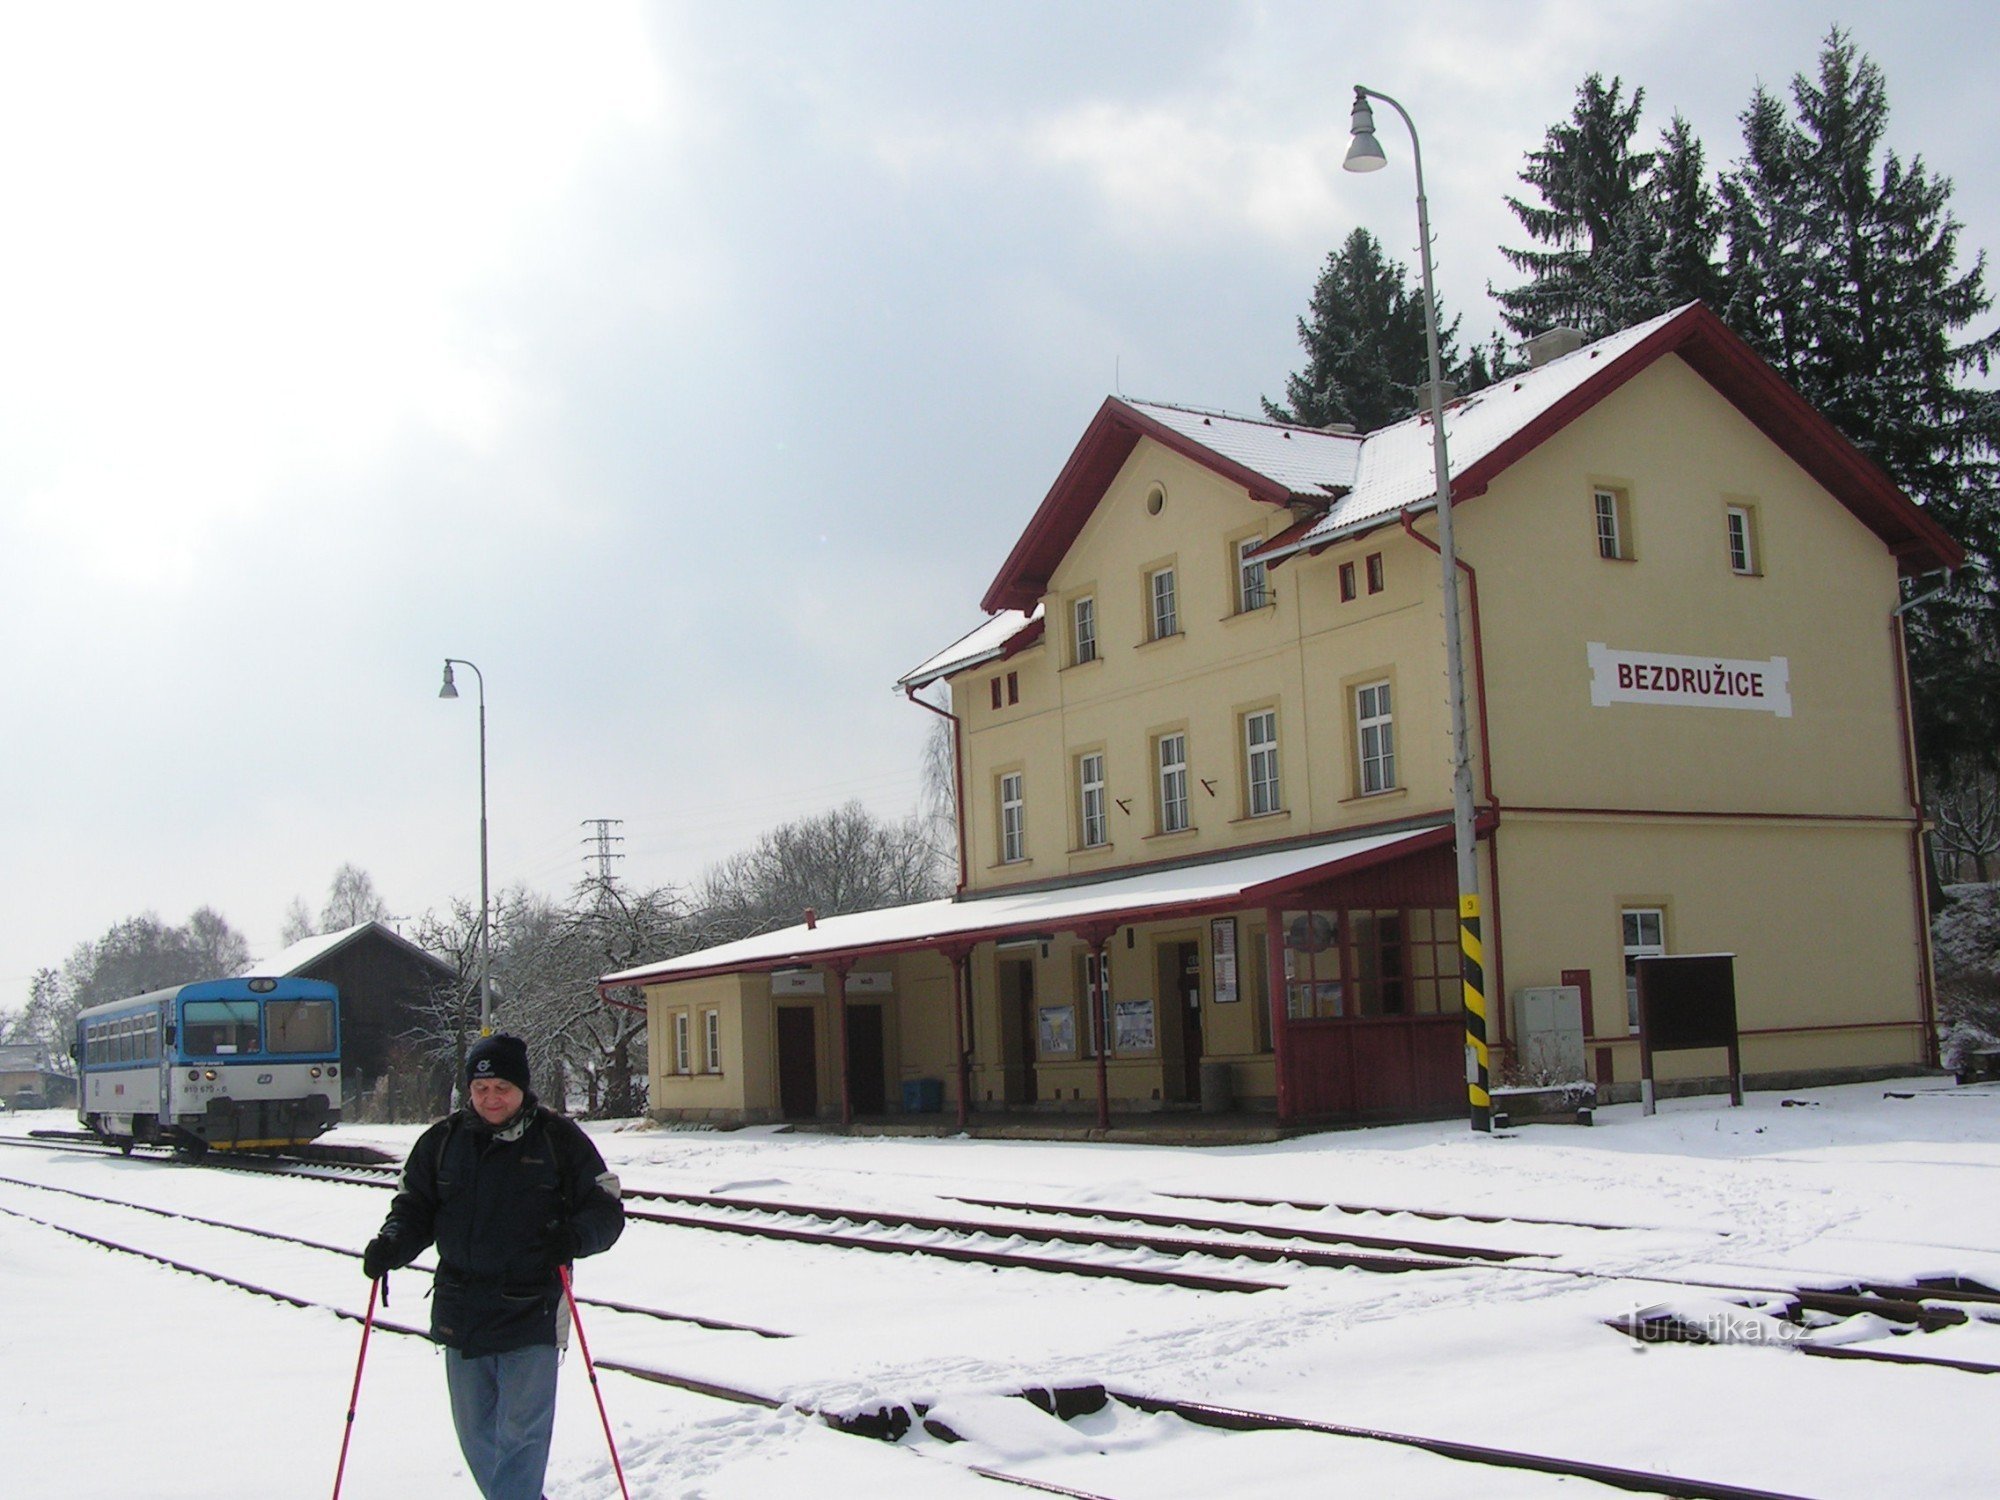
[[233, 1064]]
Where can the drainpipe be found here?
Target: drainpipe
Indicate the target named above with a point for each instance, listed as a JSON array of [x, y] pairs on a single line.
[[1919, 870], [957, 774]]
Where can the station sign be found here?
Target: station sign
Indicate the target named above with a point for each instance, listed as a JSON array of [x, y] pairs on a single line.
[[1619, 676]]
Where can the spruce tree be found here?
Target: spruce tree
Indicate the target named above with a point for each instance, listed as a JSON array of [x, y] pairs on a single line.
[[1630, 233], [1366, 353], [1843, 263]]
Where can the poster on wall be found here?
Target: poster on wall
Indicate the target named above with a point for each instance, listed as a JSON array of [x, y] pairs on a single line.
[[1132, 1026], [1222, 957], [1056, 1035]]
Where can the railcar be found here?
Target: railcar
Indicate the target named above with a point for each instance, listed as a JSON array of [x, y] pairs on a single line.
[[229, 1064]]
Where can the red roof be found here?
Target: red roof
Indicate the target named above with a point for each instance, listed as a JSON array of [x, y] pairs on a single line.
[[1694, 333]]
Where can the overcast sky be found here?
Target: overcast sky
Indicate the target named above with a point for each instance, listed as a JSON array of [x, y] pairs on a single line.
[[689, 367]]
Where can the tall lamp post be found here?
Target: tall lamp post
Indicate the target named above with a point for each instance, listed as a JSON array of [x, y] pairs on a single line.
[[1365, 154], [450, 690]]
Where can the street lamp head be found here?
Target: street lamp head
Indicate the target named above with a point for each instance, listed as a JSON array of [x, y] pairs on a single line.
[[450, 688], [1364, 153]]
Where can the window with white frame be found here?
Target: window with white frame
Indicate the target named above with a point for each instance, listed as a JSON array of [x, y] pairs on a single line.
[[1173, 782], [1083, 629], [711, 1041], [1252, 583], [1165, 615], [1260, 761], [1645, 937], [1091, 822], [1375, 737], [1614, 523], [1013, 825], [683, 1051], [1742, 530]]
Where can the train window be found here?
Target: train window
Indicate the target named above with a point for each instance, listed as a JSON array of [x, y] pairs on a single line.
[[299, 1025], [220, 1026]]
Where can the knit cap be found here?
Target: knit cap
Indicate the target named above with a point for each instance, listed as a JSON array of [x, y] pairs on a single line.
[[504, 1057]]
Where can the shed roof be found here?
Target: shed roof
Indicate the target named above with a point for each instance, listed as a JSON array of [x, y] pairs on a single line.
[[1213, 885], [308, 951]]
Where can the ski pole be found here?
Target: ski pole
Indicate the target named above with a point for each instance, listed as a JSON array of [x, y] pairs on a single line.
[[591, 1370], [381, 1284]]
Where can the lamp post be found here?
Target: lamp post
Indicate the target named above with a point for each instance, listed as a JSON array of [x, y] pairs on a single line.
[[450, 690], [1365, 154]]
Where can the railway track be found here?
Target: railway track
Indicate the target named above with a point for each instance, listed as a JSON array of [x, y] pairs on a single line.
[[1922, 1307], [891, 1422]]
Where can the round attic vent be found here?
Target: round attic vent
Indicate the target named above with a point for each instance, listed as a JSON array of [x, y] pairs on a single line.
[[1156, 499]]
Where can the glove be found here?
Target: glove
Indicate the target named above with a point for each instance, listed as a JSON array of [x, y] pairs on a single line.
[[376, 1261], [564, 1244]]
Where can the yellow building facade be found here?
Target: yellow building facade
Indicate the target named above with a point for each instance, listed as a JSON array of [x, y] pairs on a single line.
[[1204, 758]]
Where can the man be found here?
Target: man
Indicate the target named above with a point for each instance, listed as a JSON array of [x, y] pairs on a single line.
[[511, 1193]]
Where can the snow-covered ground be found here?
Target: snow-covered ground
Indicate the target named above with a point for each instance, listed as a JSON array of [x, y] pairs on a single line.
[[122, 1377]]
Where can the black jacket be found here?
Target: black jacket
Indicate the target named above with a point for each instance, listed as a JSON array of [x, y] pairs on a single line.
[[497, 1205]]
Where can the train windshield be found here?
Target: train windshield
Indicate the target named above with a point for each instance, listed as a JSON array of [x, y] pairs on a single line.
[[299, 1025], [219, 1026]]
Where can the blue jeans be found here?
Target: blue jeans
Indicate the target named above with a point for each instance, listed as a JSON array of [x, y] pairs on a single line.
[[504, 1407]]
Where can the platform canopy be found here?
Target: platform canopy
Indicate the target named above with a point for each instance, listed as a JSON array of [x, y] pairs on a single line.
[[1218, 885]]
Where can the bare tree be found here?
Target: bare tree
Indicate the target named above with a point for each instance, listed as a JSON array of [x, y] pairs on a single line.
[[351, 900], [1966, 819], [835, 862], [299, 923]]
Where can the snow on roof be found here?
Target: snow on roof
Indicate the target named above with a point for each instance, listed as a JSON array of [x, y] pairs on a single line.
[[310, 950], [984, 642], [1306, 461], [976, 918], [1396, 469]]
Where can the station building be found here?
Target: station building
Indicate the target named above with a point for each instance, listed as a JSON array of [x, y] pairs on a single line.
[[1204, 767]]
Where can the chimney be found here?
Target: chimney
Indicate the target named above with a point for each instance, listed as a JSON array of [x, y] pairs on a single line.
[[812, 919], [1447, 390], [1553, 344]]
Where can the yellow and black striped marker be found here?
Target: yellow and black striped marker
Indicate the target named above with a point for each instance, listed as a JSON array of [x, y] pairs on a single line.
[[1472, 967]]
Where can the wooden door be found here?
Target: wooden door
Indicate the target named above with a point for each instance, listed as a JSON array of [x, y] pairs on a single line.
[[798, 1063], [1187, 993], [865, 1060]]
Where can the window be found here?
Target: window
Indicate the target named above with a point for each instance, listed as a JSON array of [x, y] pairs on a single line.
[[1083, 629], [1172, 750], [1260, 761], [711, 1041], [1166, 619], [996, 692], [219, 1026], [1645, 937], [1252, 585], [1375, 737], [1742, 529], [299, 1025], [1013, 832], [1013, 687], [683, 1054], [1374, 572], [1614, 524], [1347, 589], [1090, 800], [1380, 979]]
